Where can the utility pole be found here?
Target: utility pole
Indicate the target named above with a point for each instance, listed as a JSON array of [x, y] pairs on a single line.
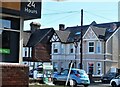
[[81, 47]]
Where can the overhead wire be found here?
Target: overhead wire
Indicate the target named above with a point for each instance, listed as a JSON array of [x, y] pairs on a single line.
[[71, 13], [61, 18], [98, 15]]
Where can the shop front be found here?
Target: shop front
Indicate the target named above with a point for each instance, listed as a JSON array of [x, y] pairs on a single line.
[[12, 17]]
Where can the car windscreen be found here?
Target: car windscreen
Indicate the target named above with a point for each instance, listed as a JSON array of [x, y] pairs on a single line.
[[81, 72]]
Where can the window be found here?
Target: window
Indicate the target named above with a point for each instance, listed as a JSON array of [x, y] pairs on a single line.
[[91, 47], [90, 67], [27, 51], [55, 66], [65, 72], [5, 23], [62, 48], [9, 38], [55, 50], [99, 68], [98, 47], [71, 48]]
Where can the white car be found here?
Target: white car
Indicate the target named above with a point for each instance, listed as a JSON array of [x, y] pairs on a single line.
[[115, 82]]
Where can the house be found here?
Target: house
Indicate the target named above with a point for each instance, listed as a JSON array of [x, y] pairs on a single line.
[[101, 47], [37, 48]]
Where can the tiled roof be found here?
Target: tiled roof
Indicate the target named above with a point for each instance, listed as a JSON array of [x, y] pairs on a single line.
[[40, 35], [98, 30], [63, 35], [101, 31], [26, 36]]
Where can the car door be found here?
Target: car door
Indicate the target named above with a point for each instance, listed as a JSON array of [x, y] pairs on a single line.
[[119, 80], [63, 75]]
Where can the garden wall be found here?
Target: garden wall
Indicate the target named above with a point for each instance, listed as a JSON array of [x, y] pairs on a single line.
[[14, 75]]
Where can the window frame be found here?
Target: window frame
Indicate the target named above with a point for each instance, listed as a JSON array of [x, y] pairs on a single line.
[[99, 47], [55, 49], [71, 50], [91, 47], [98, 67]]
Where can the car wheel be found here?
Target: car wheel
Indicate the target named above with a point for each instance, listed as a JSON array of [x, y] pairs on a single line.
[[85, 85], [114, 84], [54, 81], [74, 83]]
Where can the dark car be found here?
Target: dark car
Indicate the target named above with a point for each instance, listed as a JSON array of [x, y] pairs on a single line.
[[108, 77]]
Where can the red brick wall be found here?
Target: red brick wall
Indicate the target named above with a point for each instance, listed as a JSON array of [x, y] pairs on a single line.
[[14, 75], [42, 52]]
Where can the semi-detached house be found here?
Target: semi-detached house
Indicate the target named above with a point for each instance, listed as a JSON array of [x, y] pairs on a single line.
[[37, 47], [101, 47]]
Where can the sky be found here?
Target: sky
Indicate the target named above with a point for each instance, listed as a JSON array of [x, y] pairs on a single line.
[[68, 12]]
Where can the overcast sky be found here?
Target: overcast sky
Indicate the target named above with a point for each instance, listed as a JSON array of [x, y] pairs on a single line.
[[68, 12]]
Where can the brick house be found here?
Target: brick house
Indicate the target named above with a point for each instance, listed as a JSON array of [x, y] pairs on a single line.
[[101, 47], [37, 48]]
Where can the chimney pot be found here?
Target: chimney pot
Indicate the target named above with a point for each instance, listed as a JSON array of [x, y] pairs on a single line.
[[61, 27], [34, 26]]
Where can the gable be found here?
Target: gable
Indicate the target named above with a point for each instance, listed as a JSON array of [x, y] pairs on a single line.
[[90, 35], [55, 38]]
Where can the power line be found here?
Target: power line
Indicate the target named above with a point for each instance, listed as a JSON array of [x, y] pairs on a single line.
[[98, 16], [59, 19], [71, 13], [67, 12]]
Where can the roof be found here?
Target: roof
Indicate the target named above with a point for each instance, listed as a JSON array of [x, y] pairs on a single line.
[[61, 34], [26, 36], [75, 31], [102, 31], [99, 31], [40, 36]]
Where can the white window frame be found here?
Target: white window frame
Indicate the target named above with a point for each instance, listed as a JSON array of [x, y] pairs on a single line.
[[62, 48], [100, 48], [30, 51], [55, 46], [71, 48], [99, 68], [27, 50], [91, 46]]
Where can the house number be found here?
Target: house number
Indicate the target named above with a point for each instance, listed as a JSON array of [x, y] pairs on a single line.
[[31, 4]]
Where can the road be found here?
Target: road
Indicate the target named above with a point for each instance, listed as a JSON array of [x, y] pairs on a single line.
[[97, 85]]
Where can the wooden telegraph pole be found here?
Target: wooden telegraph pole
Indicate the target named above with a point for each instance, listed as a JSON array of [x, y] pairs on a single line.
[[81, 47]]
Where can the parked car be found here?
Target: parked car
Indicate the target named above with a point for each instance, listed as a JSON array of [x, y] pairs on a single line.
[[78, 76], [115, 82], [108, 76], [39, 72]]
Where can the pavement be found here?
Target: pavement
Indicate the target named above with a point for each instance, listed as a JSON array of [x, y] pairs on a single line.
[[95, 84]]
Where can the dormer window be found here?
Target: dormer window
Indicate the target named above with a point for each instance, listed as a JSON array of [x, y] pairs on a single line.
[[112, 27]]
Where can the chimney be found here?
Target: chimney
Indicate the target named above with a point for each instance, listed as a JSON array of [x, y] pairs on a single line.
[[34, 26], [61, 27]]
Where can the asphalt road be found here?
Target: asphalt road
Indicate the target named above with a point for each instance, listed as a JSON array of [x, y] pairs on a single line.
[[97, 85]]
